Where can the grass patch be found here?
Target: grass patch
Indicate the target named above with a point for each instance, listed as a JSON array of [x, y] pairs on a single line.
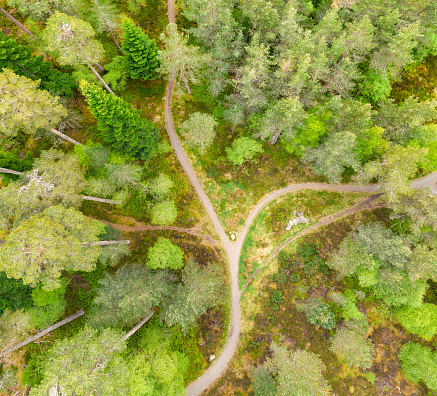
[[268, 230]]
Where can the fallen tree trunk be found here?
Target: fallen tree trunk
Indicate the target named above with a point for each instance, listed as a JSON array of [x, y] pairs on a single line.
[[130, 332], [110, 201], [106, 243], [13, 20], [56, 132], [43, 333], [12, 172]]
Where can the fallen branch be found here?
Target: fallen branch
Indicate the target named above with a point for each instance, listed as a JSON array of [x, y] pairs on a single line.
[[110, 201], [130, 332], [42, 333]]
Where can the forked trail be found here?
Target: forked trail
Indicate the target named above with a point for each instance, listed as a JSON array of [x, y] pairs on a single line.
[[233, 249]]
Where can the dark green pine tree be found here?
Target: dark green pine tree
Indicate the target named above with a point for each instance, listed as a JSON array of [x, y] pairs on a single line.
[[19, 59], [121, 125], [141, 52]]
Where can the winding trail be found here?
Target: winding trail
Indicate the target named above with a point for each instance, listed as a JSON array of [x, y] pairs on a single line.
[[233, 249]]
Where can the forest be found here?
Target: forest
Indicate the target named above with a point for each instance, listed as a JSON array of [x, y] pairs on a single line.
[[152, 152]]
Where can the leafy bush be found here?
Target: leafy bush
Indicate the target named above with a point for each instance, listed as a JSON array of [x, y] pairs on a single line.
[[294, 277], [318, 313], [243, 149], [280, 277], [263, 383], [164, 213], [419, 363], [276, 299], [164, 254], [13, 294], [48, 305], [421, 320], [8, 378], [353, 346]]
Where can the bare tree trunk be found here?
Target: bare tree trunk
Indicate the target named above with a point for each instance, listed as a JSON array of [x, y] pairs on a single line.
[[12, 172], [43, 333], [56, 132], [106, 243], [100, 78], [130, 332], [115, 40], [12, 19], [100, 68], [110, 201], [186, 84]]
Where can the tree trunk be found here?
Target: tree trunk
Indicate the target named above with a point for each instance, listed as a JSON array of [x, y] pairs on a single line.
[[100, 68], [109, 201], [12, 19], [186, 84], [12, 172], [56, 132], [100, 78], [106, 243], [130, 332], [43, 333], [115, 40]]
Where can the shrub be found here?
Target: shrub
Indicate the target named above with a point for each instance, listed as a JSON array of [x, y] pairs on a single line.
[[353, 346], [263, 383], [419, 363], [199, 131], [276, 299], [164, 213], [421, 320], [243, 149], [164, 254], [318, 313], [280, 277]]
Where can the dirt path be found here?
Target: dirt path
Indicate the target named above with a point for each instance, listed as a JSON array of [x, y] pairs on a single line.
[[233, 249], [364, 205], [138, 228]]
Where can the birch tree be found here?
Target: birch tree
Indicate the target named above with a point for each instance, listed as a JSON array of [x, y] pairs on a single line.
[[71, 40], [179, 61]]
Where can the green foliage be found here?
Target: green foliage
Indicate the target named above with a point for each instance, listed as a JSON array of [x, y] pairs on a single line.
[[48, 305], [318, 313], [276, 299], [24, 107], [380, 260], [18, 58], [263, 383], [421, 320], [331, 158], [199, 131], [243, 149], [117, 74], [353, 346], [46, 244], [130, 294], [121, 125], [370, 144], [200, 289], [419, 363], [8, 378], [140, 51], [85, 364], [158, 369], [14, 327], [32, 375], [11, 160], [164, 254], [376, 87], [71, 40], [179, 60], [297, 373], [164, 213], [13, 294]]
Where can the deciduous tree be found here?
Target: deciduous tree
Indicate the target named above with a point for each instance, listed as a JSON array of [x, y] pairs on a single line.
[[87, 363], [180, 61], [200, 289], [164, 254], [199, 131], [46, 244], [243, 149]]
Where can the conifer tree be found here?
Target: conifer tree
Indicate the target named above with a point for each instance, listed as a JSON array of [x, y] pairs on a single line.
[[141, 52], [121, 125], [18, 58]]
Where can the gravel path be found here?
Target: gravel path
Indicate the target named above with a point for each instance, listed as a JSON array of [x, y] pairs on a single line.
[[233, 249]]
